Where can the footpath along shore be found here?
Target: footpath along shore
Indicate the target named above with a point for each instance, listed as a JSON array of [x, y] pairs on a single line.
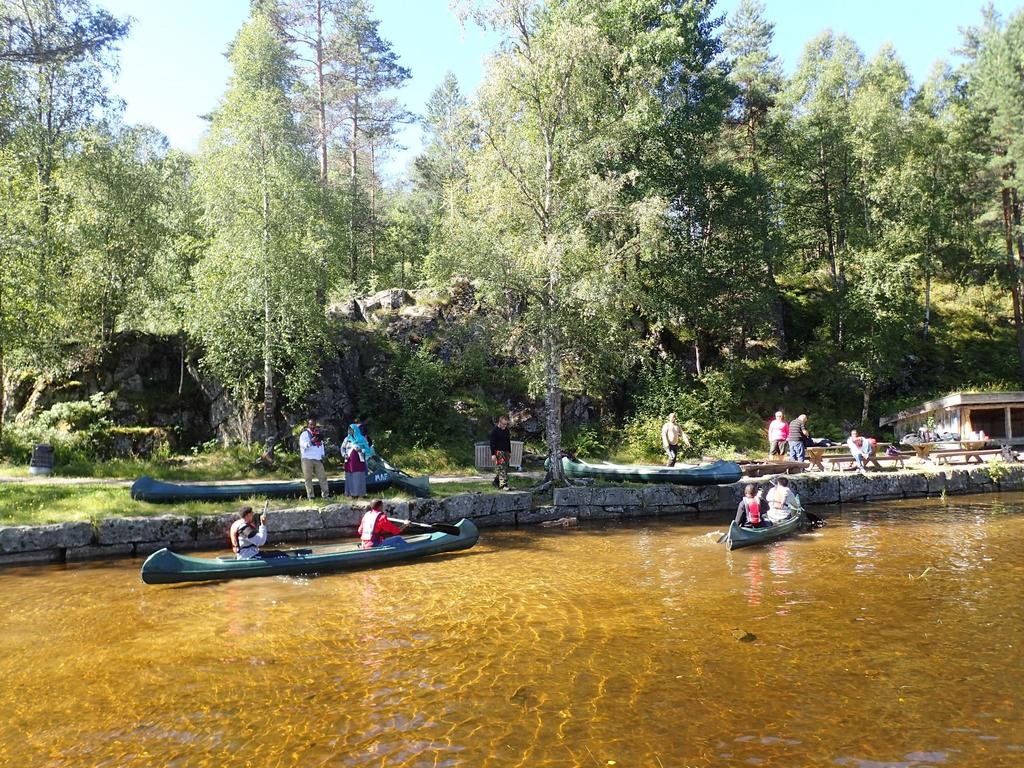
[[140, 536]]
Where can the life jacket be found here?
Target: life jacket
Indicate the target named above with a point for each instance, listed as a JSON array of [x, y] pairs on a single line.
[[776, 503], [753, 506], [240, 529], [368, 529]]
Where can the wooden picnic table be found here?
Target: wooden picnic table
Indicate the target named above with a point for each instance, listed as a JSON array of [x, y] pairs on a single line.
[[816, 455], [924, 451], [978, 455]]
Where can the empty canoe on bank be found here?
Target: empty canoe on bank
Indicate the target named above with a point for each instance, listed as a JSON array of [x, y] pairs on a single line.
[[160, 492], [742, 536], [166, 567], [716, 473]]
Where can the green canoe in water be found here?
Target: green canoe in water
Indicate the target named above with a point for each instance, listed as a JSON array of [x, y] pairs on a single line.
[[166, 567], [716, 473], [742, 536]]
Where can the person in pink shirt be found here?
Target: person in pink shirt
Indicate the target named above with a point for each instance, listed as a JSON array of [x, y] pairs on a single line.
[[778, 435]]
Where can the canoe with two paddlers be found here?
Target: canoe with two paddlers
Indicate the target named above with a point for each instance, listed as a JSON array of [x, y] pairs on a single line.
[[745, 536], [166, 567]]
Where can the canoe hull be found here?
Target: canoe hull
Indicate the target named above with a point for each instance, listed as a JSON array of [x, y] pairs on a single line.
[[166, 567], [716, 473], [740, 536], [161, 492]]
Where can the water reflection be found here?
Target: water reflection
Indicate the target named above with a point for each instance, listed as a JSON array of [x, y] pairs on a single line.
[[889, 638]]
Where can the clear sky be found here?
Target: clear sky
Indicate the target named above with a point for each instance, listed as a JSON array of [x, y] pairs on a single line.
[[173, 68]]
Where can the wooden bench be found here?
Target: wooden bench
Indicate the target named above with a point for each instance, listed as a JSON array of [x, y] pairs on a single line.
[[840, 463], [943, 457], [772, 468]]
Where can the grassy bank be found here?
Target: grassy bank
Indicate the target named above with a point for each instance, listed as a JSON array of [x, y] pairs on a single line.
[[38, 503]]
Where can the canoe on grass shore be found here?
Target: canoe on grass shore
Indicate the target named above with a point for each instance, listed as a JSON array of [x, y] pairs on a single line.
[[161, 492], [166, 567], [716, 473], [742, 536]]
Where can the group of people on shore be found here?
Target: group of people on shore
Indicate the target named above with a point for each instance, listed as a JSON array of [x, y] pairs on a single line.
[[793, 437], [356, 449], [788, 436]]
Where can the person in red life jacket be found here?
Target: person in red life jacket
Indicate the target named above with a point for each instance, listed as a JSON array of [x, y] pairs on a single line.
[[748, 513], [374, 528], [245, 538]]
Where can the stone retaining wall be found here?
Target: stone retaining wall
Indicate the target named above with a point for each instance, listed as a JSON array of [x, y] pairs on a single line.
[[139, 536]]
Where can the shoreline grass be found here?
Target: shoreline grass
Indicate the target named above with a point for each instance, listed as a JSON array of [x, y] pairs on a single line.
[[39, 503]]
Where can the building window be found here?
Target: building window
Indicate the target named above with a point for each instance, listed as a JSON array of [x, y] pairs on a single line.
[[1017, 422], [991, 421]]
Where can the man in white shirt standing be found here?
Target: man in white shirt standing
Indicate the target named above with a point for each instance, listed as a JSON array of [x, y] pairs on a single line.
[[311, 452]]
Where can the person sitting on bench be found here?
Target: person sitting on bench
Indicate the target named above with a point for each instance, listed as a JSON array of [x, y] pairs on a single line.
[[861, 449]]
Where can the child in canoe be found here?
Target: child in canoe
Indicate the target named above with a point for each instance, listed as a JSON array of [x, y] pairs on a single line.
[[748, 513]]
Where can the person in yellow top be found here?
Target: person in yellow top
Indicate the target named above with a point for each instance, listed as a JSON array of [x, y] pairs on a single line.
[[672, 436]]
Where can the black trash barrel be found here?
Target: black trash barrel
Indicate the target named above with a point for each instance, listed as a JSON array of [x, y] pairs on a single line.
[[41, 462]]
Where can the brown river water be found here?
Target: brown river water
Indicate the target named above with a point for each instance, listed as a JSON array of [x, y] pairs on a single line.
[[892, 637]]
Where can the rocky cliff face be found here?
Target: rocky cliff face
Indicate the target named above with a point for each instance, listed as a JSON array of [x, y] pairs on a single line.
[[156, 383], [146, 373]]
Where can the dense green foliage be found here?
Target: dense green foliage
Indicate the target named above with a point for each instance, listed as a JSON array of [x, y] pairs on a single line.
[[654, 217]]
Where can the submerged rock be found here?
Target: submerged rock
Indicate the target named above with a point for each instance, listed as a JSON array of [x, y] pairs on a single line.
[[743, 636]]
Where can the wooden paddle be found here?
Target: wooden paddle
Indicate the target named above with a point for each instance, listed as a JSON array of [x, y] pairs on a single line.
[[453, 530]]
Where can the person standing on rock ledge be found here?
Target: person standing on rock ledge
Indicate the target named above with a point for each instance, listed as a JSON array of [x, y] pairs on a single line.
[[501, 451], [311, 453]]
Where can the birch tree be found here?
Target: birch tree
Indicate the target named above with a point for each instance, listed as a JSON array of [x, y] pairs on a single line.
[[255, 307]]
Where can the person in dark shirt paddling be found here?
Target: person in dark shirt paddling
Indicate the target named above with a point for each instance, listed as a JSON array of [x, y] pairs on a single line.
[[501, 450]]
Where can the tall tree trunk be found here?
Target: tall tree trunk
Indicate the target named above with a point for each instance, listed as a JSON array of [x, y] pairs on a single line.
[[353, 159], [866, 403], [373, 204], [927, 301], [553, 404], [321, 109], [1014, 276], [269, 396], [321, 106], [696, 355], [776, 316], [3, 389]]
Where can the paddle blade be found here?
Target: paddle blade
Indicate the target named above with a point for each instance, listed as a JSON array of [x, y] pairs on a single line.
[[452, 530]]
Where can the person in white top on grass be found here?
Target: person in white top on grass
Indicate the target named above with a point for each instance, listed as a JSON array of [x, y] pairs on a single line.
[[311, 452]]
